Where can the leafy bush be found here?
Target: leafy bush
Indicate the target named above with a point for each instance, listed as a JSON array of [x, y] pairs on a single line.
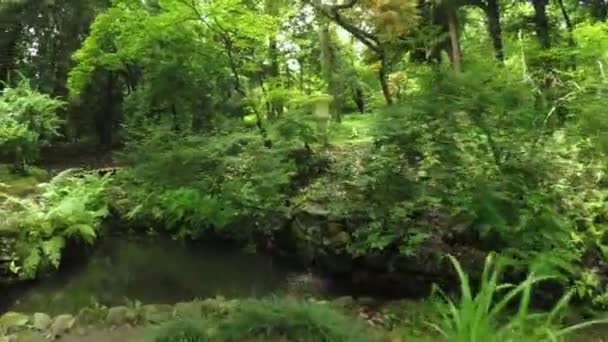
[[70, 207], [181, 331], [485, 316], [28, 120], [298, 321], [193, 183], [472, 149]]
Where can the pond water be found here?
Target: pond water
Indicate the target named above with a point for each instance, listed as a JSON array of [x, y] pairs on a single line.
[[151, 271]]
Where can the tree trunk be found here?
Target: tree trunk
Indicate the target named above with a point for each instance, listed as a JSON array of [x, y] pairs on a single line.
[[568, 22], [541, 23], [493, 19], [329, 66], [104, 115], [455, 53], [10, 31], [359, 100], [276, 106], [9, 37], [382, 74], [599, 9]]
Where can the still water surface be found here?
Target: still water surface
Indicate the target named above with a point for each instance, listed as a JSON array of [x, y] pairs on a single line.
[[151, 271]]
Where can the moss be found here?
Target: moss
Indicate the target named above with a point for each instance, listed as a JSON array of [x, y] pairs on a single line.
[[19, 185]]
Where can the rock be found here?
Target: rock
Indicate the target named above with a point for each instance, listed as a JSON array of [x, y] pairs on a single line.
[[376, 261], [189, 309], [156, 313], [81, 331], [345, 302], [118, 315], [62, 324], [314, 209], [42, 321], [340, 239], [88, 316], [367, 301], [335, 263], [335, 228], [12, 321]]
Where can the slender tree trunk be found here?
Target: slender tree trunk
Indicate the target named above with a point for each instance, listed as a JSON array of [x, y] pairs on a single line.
[[568, 22], [329, 66], [359, 100], [104, 115], [382, 74], [541, 23], [493, 20], [570, 28], [454, 39], [276, 106]]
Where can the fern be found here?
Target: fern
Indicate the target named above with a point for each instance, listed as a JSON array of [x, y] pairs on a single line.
[[52, 249], [70, 207]]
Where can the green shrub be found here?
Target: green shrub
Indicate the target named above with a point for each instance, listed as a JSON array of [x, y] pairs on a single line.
[[28, 121], [194, 183], [296, 320], [181, 331]]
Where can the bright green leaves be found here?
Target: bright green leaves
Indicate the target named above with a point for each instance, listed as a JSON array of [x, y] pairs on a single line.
[[28, 120], [69, 208], [115, 39], [192, 184]]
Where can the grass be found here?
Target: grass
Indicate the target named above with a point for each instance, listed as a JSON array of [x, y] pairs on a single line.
[[180, 331], [355, 128], [486, 316], [293, 320]]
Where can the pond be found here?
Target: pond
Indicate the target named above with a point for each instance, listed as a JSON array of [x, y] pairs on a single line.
[[158, 271]]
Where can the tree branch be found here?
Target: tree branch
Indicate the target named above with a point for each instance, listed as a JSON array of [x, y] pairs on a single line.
[[332, 12]]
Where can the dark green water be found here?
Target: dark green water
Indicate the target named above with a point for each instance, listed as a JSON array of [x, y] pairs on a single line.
[[151, 271]]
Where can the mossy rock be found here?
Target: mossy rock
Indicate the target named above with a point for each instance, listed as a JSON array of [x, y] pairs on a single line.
[[62, 324], [12, 321], [89, 316], [120, 315], [340, 239], [41, 321], [192, 309], [344, 302], [156, 313]]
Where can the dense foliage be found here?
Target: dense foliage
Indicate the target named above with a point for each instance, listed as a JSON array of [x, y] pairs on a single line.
[[28, 121], [481, 127], [70, 208]]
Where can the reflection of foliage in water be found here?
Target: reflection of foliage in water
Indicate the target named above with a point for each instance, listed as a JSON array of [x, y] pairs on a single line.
[[153, 271]]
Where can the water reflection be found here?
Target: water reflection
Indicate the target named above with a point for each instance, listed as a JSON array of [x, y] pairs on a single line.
[[151, 271]]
